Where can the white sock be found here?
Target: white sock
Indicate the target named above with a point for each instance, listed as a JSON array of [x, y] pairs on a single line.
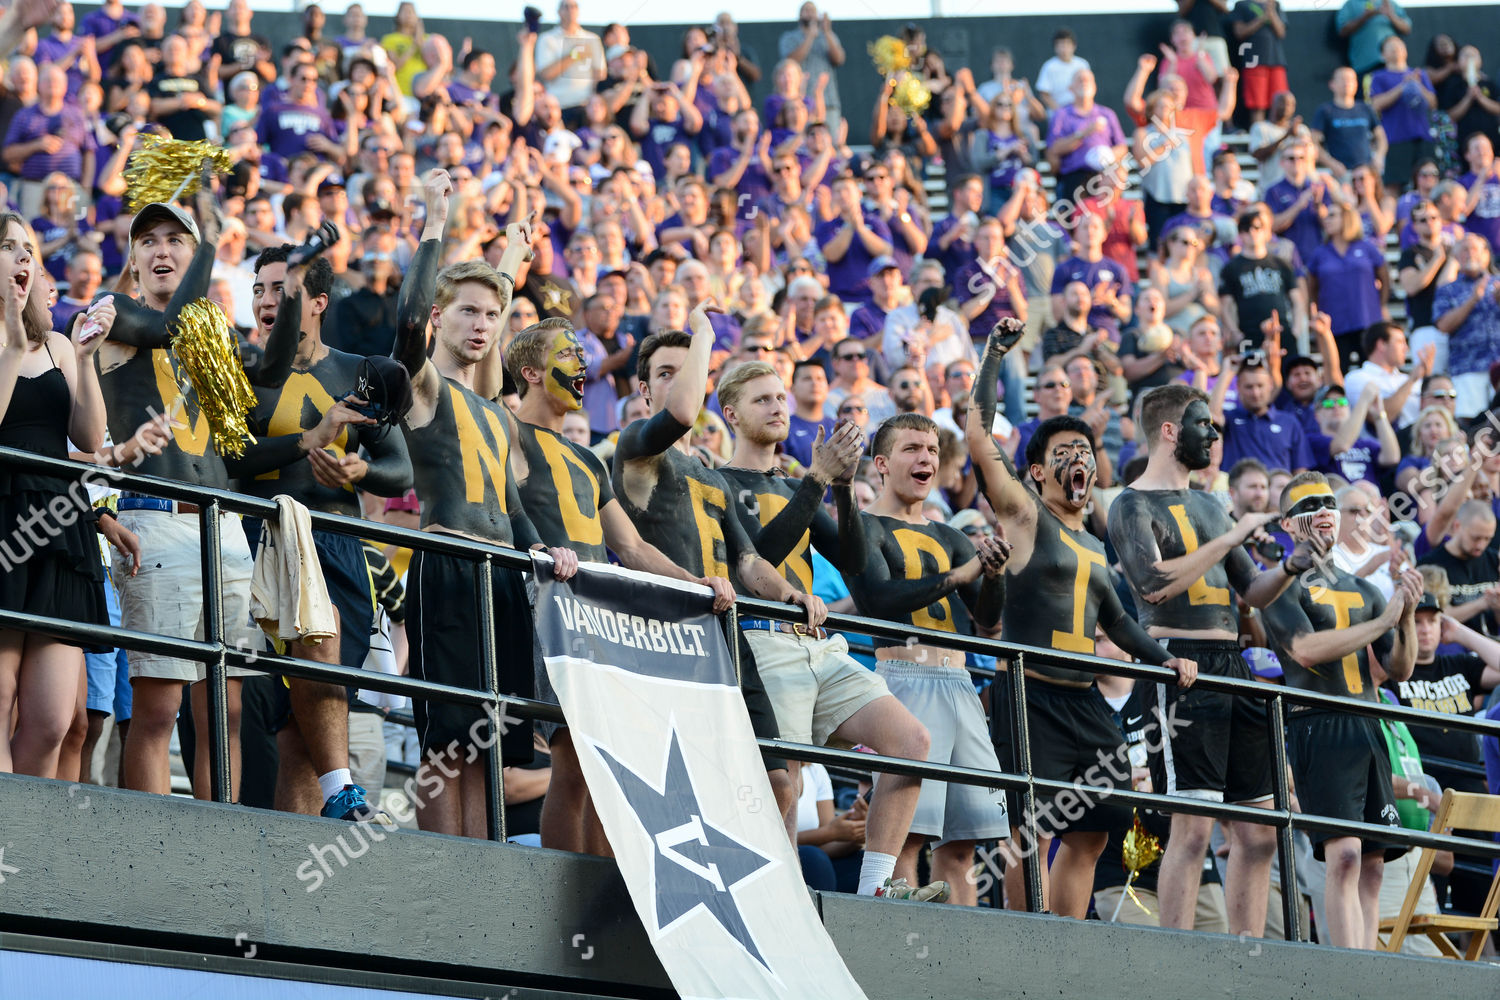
[[873, 872], [334, 781]]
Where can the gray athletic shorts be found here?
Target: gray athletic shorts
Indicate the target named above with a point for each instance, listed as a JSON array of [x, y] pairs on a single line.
[[943, 700]]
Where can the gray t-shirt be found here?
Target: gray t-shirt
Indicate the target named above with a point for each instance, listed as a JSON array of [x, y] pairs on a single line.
[[815, 62]]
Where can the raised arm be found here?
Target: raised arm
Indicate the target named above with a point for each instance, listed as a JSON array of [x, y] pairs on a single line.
[[1005, 492]]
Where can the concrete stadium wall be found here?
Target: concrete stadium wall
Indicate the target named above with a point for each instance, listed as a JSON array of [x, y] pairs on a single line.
[[1111, 43], [133, 869]]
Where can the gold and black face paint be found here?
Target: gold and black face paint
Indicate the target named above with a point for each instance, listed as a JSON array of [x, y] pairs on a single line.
[[567, 370], [1308, 501]]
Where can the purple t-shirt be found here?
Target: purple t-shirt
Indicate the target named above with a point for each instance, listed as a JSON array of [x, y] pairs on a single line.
[[599, 396], [287, 128], [1068, 120], [867, 321], [1306, 230], [69, 123], [1407, 119], [1274, 437], [846, 276], [754, 185], [660, 137], [64, 311], [1346, 284], [51, 50], [1485, 219], [1359, 462], [47, 231], [959, 252], [99, 24], [800, 437], [971, 281], [1103, 271]]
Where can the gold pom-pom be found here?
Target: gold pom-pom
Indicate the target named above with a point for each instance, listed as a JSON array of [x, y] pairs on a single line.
[[164, 170], [207, 355], [1140, 851], [911, 95], [889, 55]]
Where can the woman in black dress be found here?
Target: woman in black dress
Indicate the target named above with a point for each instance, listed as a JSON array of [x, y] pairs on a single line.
[[49, 555]]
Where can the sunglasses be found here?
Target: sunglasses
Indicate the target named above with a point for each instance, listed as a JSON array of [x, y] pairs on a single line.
[[1056, 384], [759, 349], [981, 530], [1427, 173], [1444, 394], [855, 356], [1334, 402], [961, 375]]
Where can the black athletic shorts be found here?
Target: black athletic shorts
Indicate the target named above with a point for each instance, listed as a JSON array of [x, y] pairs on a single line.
[[442, 614], [1212, 746], [347, 576], [757, 702], [1073, 738], [1343, 771]]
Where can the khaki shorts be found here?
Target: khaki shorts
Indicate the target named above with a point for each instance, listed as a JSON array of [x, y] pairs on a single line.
[[166, 596], [814, 684], [367, 750]]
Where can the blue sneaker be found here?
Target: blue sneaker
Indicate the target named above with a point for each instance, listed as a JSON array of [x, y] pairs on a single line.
[[351, 806]]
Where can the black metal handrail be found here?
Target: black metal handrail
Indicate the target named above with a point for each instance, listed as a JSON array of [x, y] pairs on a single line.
[[218, 656]]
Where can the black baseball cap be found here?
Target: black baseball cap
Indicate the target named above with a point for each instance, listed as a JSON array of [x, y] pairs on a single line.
[[160, 211], [1429, 602], [385, 385]]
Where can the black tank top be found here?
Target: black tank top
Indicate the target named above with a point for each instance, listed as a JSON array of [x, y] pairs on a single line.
[[37, 421]]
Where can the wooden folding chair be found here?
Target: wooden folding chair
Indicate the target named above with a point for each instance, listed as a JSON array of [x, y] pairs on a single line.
[[1463, 811]]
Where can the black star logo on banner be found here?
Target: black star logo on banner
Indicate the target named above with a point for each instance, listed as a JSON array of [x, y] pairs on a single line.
[[694, 864]]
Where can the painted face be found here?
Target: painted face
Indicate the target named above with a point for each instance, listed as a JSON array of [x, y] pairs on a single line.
[[1315, 514], [1070, 467], [567, 370], [1195, 439]]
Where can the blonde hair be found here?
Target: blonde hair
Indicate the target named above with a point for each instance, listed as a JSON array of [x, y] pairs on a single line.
[[528, 349], [1435, 582], [1418, 446], [733, 385], [465, 272]]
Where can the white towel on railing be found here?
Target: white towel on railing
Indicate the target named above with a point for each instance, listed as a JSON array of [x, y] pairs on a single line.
[[288, 595]]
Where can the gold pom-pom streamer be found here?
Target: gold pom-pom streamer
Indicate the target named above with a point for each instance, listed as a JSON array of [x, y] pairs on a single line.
[[206, 354], [1141, 850], [911, 95], [164, 170], [889, 55]]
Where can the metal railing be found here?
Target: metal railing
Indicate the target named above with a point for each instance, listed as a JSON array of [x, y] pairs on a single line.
[[218, 656]]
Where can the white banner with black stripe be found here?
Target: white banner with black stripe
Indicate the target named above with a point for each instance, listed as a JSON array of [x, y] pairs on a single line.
[[646, 682]]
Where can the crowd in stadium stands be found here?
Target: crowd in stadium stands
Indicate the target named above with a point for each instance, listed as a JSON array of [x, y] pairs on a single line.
[[1170, 341]]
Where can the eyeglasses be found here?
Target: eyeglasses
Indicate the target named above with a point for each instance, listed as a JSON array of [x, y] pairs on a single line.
[[854, 408], [1444, 394], [852, 356], [1055, 384]]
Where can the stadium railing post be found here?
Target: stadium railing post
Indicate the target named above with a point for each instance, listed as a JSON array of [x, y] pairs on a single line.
[[1021, 742], [213, 631], [1286, 848], [494, 766]]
